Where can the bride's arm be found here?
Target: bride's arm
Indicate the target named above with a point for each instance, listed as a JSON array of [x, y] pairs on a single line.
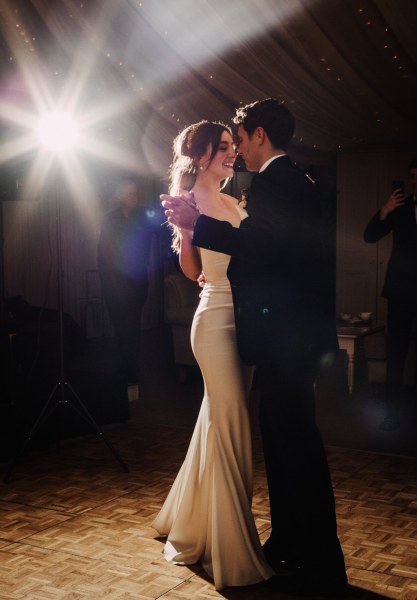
[[189, 256]]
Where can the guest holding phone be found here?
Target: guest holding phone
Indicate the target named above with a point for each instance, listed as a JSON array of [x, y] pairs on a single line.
[[399, 217]]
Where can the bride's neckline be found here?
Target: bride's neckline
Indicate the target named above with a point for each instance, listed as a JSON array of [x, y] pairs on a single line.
[[224, 208], [209, 200]]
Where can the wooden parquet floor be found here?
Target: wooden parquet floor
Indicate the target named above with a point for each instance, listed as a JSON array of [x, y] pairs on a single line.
[[74, 526]]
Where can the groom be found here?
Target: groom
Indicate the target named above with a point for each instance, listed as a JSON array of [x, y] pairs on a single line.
[[276, 274]]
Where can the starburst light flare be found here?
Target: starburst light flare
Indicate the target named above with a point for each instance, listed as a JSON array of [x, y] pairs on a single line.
[[57, 132]]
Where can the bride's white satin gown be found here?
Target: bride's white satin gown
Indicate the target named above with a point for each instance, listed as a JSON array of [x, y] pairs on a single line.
[[207, 515]]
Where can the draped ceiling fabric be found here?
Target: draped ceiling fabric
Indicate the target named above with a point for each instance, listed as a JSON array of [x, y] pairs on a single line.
[[137, 71]]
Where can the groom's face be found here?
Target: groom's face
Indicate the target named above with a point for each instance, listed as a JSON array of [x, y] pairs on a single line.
[[248, 148]]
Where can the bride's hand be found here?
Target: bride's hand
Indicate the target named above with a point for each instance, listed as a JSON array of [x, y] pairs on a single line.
[[181, 210], [188, 198]]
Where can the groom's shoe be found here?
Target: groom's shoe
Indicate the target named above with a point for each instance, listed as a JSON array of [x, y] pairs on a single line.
[[284, 567], [303, 586], [281, 565]]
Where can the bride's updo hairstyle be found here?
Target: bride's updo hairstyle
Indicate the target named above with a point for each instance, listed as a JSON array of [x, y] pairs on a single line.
[[189, 147]]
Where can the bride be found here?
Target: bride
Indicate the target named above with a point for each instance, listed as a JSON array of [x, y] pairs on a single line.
[[207, 515]]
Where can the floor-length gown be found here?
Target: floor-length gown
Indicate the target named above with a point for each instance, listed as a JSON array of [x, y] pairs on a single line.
[[207, 515]]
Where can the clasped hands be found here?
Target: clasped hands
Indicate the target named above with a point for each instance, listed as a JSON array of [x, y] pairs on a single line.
[[181, 210]]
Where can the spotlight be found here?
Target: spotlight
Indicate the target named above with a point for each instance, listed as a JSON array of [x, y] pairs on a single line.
[[57, 131]]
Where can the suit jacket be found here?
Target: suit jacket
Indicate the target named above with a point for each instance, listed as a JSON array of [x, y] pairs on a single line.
[[278, 268], [401, 277]]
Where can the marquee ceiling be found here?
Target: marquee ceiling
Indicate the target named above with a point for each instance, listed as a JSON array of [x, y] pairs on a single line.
[[136, 71]]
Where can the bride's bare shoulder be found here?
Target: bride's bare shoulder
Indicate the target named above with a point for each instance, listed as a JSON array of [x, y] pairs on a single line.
[[229, 198]]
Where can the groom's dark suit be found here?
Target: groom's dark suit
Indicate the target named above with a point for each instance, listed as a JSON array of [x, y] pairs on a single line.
[[277, 275]]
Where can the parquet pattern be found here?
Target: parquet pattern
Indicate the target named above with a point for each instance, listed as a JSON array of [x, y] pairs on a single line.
[[74, 526]]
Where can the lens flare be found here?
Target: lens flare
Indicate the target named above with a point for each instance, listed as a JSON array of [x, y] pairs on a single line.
[[57, 132]]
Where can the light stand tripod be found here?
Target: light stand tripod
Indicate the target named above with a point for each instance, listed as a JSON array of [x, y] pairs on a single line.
[[62, 389]]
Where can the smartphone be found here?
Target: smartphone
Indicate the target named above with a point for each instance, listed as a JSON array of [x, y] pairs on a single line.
[[397, 184]]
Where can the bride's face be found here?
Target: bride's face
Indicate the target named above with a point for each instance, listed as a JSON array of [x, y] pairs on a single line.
[[221, 166]]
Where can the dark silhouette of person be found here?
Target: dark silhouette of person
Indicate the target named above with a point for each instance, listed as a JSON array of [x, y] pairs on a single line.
[[123, 258], [398, 216], [276, 273]]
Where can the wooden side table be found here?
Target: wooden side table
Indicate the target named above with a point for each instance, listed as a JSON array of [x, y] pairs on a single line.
[[351, 338]]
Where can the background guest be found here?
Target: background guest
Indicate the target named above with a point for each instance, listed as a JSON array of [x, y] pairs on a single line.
[[399, 216], [123, 258]]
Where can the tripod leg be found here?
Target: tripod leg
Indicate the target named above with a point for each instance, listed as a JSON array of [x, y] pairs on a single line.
[[46, 411], [83, 411]]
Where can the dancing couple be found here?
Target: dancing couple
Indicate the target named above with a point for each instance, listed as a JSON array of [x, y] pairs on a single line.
[[263, 305]]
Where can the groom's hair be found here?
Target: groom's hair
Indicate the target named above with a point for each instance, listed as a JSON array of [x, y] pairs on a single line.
[[270, 114]]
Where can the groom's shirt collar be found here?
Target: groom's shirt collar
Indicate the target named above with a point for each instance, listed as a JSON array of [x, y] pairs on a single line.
[[268, 162]]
